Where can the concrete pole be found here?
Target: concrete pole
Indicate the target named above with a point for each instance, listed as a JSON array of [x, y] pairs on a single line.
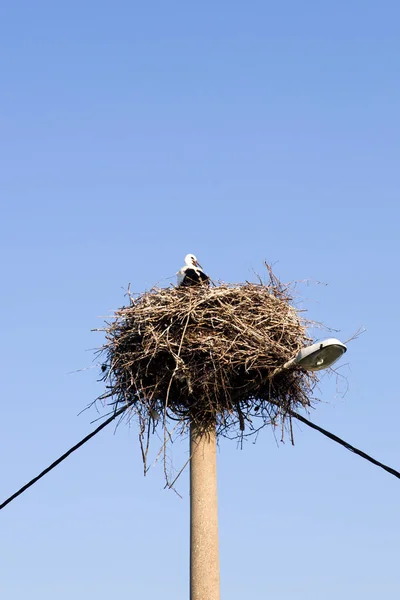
[[204, 556]]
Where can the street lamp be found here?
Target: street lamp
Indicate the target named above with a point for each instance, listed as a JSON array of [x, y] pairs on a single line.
[[318, 356], [204, 558]]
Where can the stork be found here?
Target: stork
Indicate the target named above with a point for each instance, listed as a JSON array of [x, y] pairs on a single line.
[[191, 273]]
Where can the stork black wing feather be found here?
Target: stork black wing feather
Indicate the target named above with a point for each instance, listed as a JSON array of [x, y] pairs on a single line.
[[194, 277], [203, 276]]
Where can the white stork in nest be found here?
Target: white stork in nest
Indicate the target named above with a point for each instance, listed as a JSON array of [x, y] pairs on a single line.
[[191, 273]]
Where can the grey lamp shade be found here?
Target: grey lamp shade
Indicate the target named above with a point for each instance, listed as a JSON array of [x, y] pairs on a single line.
[[321, 355]]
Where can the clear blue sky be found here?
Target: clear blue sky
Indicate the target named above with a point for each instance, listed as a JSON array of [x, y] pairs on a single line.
[[131, 134]]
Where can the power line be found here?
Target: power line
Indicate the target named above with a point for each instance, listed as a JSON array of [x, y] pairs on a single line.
[[63, 457], [337, 439], [331, 436]]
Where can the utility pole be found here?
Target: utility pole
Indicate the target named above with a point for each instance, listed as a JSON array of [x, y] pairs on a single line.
[[204, 554]]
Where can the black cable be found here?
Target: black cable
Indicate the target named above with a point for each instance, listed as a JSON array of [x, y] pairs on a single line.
[[331, 436], [63, 457], [337, 439]]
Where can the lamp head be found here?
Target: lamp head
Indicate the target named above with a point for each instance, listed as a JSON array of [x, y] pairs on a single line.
[[321, 355]]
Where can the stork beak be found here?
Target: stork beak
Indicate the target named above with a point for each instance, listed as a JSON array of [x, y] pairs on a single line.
[[198, 264]]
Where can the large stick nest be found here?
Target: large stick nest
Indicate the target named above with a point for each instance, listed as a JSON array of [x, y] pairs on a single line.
[[209, 355]]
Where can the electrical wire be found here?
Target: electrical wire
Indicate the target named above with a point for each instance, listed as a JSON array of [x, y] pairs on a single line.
[[346, 445], [63, 457], [118, 412]]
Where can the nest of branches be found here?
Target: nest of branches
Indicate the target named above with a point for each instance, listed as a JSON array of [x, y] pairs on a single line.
[[208, 356]]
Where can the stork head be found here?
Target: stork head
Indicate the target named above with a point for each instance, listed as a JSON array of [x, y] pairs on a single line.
[[191, 261]]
